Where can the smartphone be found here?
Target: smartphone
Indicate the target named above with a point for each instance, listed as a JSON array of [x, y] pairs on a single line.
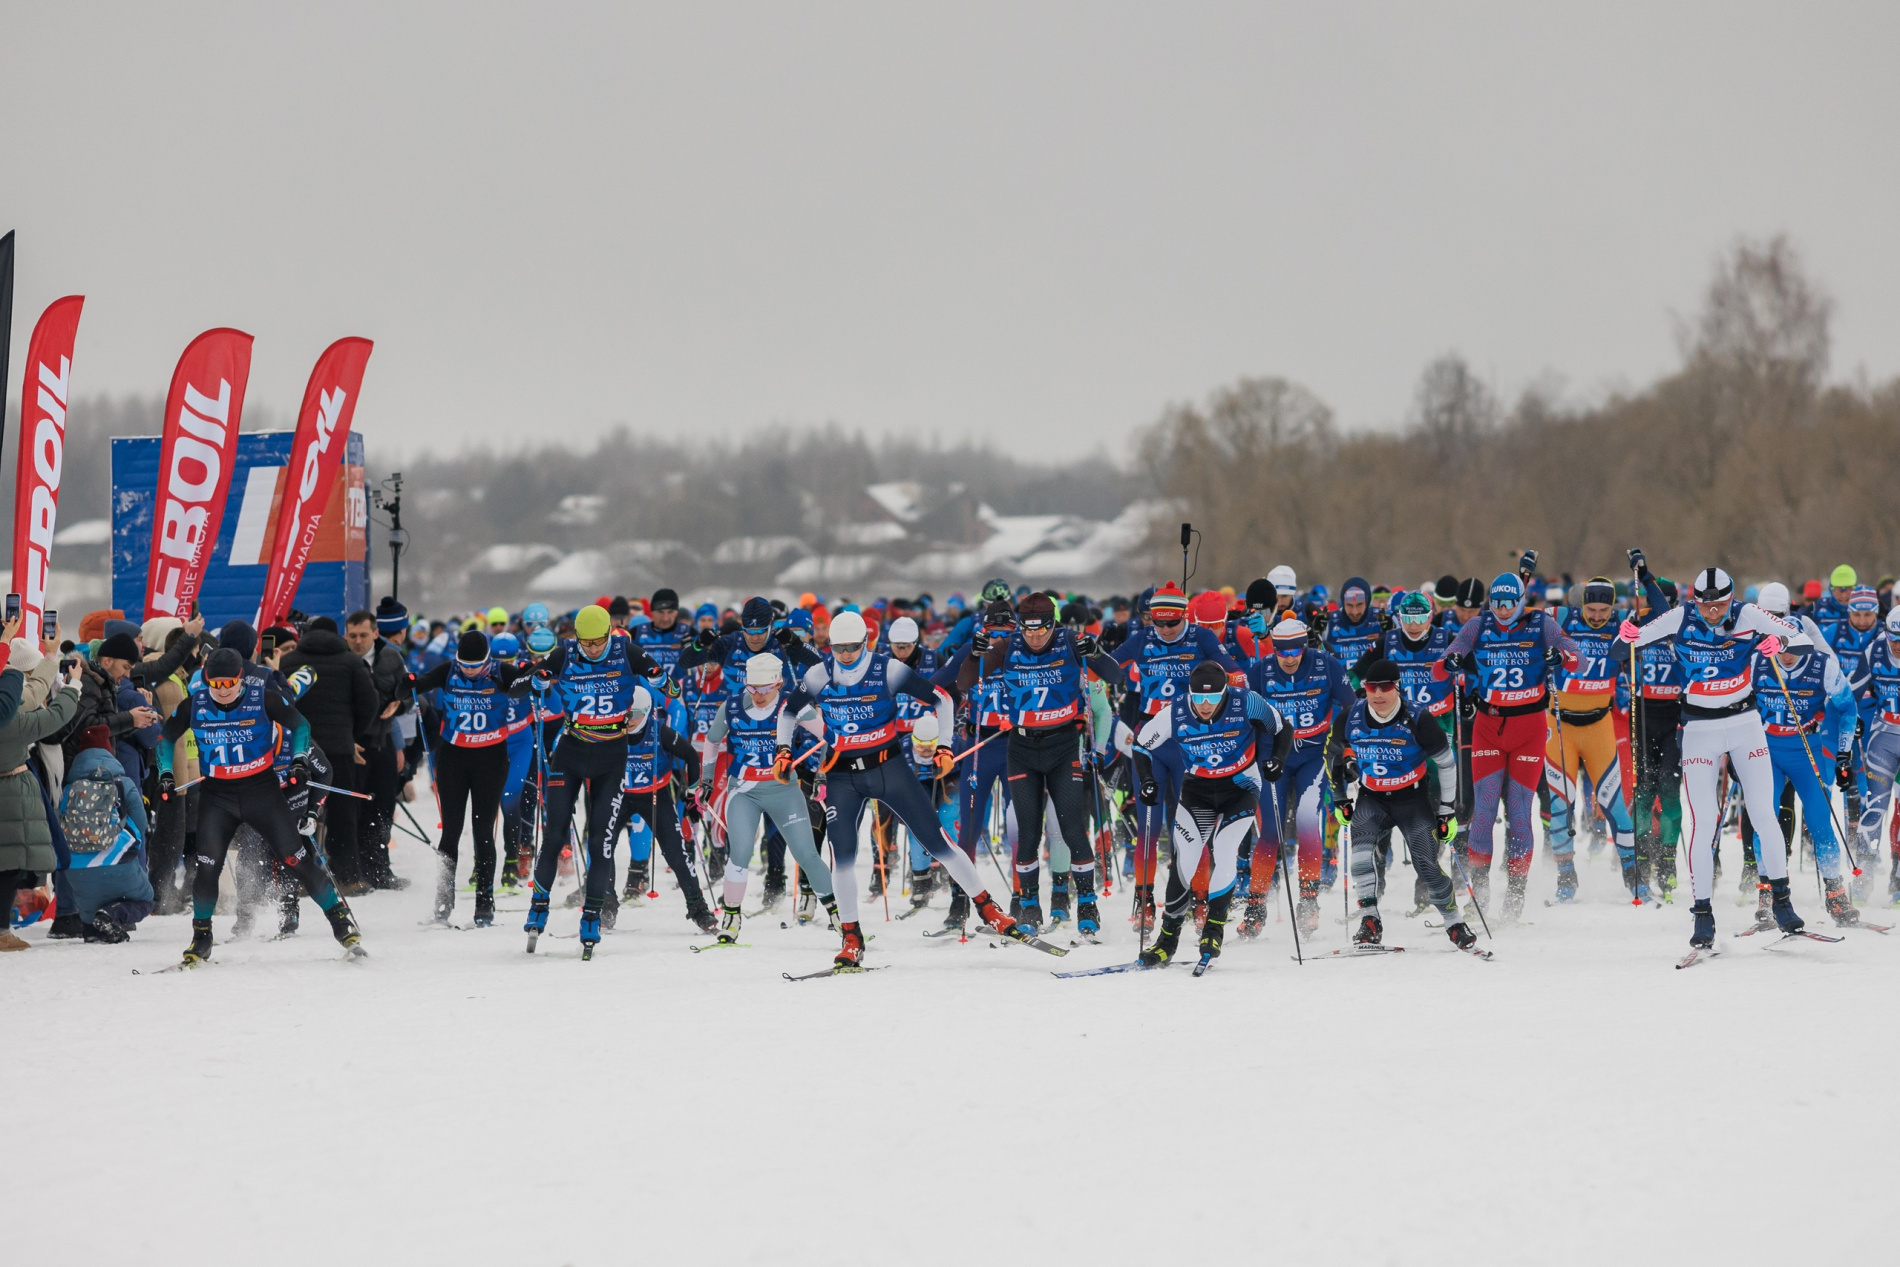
[[13, 607], [270, 645], [49, 623]]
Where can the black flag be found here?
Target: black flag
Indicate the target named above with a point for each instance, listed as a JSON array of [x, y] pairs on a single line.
[[6, 327]]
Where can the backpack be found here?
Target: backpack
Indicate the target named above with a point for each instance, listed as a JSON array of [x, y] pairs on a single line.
[[91, 815]]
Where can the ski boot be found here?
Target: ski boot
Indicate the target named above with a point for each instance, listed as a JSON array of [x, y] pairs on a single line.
[[850, 956], [877, 878], [510, 877], [636, 893], [105, 930], [1026, 913], [701, 914], [289, 911], [1088, 918], [590, 932], [1633, 881], [1750, 883], [1371, 931], [241, 927], [730, 918], [993, 915], [774, 891], [1785, 918], [1461, 935], [343, 928], [1840, 907], [1703, 937], [920, 889], [807, 908], [200, 949], [576, 896], [537, 918], [610, 909], [833, 921], [959, 915], [1254, 918], [1567, 880], [1144, 913], [1058, 899], [1162, 951], [1764, 906], [484, 907], [1308, 912], [1514, 886], [1211, 934]]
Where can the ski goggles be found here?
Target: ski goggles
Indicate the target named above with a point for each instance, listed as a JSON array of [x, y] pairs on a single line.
[[1168, 617], [478, 668], [1379, 688], [1206, 697], [225, 683]]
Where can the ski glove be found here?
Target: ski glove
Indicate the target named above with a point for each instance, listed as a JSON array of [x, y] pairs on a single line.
[[299, 772], [167, 784], [788, 639], [980, 641], [1457, 662], [1844, 773], [1342, 809], [1527, 566], [1637, 562], [1087, 645], [1150, 792], [782, 764], [1770, 645], [1271, 770], [704, 639], [945, 761], [543, 680], [1629, 630]]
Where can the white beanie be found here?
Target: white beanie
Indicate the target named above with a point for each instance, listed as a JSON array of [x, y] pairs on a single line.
[[25, 657]]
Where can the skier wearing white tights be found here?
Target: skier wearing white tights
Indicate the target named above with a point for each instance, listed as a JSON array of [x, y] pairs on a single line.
[[1715, 640]]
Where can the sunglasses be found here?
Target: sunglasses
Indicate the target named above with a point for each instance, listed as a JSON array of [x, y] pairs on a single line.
[[1206, 697], [1381, 688], [1170, 618], [225, 683], [851, 648]]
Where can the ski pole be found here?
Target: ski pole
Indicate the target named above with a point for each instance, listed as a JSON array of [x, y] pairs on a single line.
[[1840, 835], [325, 787], [1286, 879]]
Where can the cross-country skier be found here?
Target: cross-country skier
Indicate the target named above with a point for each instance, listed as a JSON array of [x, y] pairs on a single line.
[[754, 728], [1041, 666], [1584, 739], [1217, 732], [1308, 689], [1416, 645], [654, 748], [1880, 676], [1387, 748], [1657, 808], [1807, 710], [595, 673], [852, 689], [1509, 651], [238, 720], [1716, 639]]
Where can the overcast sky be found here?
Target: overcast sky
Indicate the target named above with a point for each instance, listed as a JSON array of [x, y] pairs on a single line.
[[1032, 223]]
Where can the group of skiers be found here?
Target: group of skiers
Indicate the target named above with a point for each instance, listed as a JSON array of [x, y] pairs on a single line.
[[1257, 737]]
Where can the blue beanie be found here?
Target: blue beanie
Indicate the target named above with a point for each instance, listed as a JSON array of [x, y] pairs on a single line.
[[392, 618]]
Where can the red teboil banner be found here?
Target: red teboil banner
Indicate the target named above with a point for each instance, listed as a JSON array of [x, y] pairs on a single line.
[[44, 392], [194, 470], [323, 432]]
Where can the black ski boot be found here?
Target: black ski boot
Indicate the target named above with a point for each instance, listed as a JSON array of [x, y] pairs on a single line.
[[106, 930], [1059, 898], [636, 883], [1212, 932], [1785, 917], [484, 907], [1165, 944], [1750, 880], [1840, 907], [200, 949], [774, 891], [1764, 906], [1461, 935], [959, 915], [289, 910], [1371, 928], [343, 928], [1144, 916], [920, 889], [701, 914], [1704, 935]]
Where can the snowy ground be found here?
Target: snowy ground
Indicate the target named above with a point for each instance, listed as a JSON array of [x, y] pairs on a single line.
[[454, 1100]]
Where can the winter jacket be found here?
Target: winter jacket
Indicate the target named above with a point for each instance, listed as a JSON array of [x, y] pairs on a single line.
[[134, 748], [391, 674], [98, 706], [26, 842], [341, 704]]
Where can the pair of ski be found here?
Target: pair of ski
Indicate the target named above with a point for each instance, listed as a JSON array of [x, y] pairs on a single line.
[[1702, 954], [1200, 968], [1366, 952], [1037, 943], [350, 955]]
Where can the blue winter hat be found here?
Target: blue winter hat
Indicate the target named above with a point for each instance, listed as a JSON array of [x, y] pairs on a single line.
[[1507, 591], [799, 619], [756, 615], [391, 617], [505, 646], [541, 640], [705, 609]]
